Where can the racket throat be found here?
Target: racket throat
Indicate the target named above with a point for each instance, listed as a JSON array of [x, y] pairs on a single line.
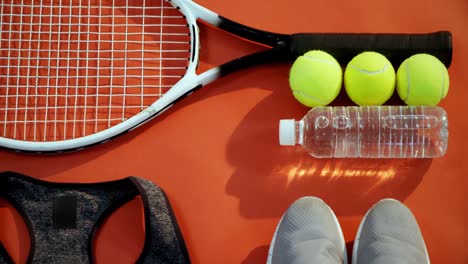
[[278, 54]]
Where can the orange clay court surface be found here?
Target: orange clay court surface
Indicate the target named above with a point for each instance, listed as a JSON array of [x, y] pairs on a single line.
[[216, 153]]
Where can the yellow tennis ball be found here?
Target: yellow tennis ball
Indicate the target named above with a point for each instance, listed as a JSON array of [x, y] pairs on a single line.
[[369, 79], [315, 78], [422, 79]]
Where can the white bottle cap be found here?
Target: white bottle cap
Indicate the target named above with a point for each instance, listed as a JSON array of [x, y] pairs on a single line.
[[287, 132]]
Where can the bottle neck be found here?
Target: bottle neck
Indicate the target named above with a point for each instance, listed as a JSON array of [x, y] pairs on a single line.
[[299, 132]]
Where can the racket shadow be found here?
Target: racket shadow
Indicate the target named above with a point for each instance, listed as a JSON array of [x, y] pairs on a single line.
[[44, 166], [269, 177]]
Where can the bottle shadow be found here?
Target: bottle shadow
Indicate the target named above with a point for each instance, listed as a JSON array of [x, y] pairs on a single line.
[[269, 177]]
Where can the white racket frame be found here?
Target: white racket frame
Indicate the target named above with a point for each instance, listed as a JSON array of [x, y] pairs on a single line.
[[185, 86]]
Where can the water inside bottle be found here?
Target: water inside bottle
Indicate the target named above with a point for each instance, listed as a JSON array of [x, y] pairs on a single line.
[[376, 132]]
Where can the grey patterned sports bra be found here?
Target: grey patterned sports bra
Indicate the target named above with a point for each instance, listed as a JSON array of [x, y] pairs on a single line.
[[62, 218]]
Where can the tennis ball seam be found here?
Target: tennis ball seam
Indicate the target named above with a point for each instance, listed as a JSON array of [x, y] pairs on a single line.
[[308, 57], [369, 79], [308, 96], [370, 72]]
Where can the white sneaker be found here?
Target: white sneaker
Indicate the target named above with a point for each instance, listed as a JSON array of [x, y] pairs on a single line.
[[308, 233], [389, 234]]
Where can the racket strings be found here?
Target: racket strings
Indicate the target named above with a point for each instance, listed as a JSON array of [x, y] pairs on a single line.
[[73, 68]]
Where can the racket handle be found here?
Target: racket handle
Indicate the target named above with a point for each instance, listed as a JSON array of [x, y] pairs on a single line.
[[396, 47]]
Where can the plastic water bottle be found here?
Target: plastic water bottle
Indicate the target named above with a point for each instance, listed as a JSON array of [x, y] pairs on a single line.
[[369, 132]]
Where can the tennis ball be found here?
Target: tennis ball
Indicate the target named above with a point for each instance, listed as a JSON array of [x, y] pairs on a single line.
[[315, 78], [422, 80], [369, 79]]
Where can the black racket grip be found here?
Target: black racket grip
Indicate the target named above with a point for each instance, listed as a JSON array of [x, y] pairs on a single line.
[[396, 47]]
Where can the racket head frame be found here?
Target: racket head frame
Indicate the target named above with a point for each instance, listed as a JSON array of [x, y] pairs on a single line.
[[185, 86]]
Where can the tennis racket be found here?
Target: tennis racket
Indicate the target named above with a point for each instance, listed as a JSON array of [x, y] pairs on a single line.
[[76, 73]]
